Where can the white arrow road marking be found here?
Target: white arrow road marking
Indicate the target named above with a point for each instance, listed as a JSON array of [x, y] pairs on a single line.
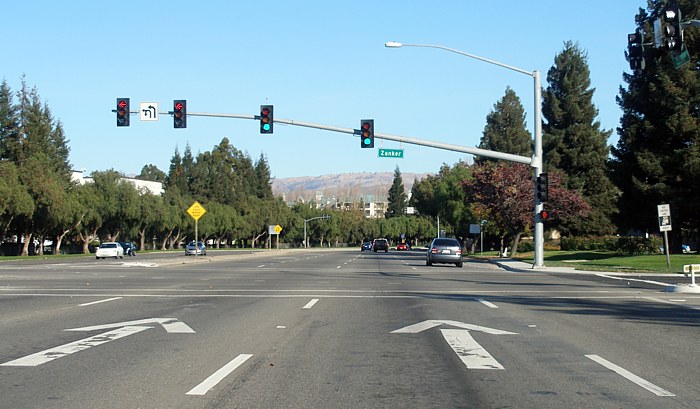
[[172, 325], [219, 375], [73, 347], [422, 326], [473, 355]]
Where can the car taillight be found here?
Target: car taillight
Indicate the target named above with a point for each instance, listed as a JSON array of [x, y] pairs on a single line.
[[433, 250], [459, 251]]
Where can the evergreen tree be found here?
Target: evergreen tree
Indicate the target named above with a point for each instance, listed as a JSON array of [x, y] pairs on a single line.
[[657, 157], [505, 129], [9, 125], [263, 179], [397, 196], [573, 141], [151, 173]]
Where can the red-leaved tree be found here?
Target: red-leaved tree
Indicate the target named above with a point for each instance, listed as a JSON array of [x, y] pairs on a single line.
[[503, 193]]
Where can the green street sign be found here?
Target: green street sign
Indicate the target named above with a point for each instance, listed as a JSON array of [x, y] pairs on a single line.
[[681, 58], [390, 153]]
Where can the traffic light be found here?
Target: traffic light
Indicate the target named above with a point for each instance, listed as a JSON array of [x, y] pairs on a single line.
[[548, 215], [673, 30], [542, 187], [266, 119], [367, 133], [635, 50], [180, 113], [122, 111]]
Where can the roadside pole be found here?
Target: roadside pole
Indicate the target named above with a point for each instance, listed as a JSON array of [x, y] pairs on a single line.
[[664, 213]]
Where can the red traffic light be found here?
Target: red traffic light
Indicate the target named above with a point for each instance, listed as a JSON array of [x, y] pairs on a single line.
[[123, 112], [544, 215], [180, 113]]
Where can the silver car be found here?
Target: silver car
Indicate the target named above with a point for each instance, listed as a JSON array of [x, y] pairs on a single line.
[[196, 248], [444, 250]]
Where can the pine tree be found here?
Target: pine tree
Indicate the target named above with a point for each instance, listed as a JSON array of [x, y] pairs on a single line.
[[397, 196], [505, 129], [9, 125], [573, 141], [657, 157]]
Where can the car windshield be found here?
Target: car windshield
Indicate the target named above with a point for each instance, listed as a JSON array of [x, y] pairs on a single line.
[[109, 246]]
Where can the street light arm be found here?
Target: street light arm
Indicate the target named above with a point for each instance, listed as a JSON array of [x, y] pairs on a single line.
[[393, 44], [536, 157]]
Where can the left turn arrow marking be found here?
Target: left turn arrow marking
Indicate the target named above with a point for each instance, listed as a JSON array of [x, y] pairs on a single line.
[[123, 329]]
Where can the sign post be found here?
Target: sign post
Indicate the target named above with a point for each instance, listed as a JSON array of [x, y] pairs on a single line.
[[664, 211], [196, 211], [276, 229]]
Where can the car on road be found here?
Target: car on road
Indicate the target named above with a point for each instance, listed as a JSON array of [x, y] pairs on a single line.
[[380, 244], [193, 249], [402, 247], [444, 250], [129, 248], [366, 246], [109, 249]]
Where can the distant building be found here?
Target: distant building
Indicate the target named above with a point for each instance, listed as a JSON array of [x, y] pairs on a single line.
[[154, 188]]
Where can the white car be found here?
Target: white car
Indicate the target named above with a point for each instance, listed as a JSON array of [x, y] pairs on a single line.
[[109, 249]]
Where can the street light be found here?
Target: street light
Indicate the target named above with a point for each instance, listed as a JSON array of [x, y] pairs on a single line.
[[324, 217], [537, 155]]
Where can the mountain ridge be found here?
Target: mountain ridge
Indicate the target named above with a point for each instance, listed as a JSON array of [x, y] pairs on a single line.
[[342, 186]]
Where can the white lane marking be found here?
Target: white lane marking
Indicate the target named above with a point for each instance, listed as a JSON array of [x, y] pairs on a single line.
[[310, 304], [659, 300], [656, 390], [473, 355], [98, 302], [486, 303], [219, 375], [622, 278], [73, 347], [338, 266], [261, 265]]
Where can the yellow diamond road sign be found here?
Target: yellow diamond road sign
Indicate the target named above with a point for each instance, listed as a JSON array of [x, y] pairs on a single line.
[[278, 229], [196, 210]]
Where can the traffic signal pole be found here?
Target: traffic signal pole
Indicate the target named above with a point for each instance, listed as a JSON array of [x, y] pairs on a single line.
[[389, 137]]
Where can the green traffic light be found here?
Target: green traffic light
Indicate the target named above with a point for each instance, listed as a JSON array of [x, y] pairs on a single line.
[[367, 141], [266, 127]]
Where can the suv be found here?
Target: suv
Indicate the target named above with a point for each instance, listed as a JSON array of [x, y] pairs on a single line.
[[129, 248], [380, 244]]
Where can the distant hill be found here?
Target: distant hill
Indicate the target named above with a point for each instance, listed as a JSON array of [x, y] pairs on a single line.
[[345, 186]]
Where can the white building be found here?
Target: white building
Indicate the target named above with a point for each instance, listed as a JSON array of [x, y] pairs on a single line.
[[155, 188]]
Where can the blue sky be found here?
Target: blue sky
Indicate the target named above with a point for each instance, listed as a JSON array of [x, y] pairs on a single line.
[[322, 62]]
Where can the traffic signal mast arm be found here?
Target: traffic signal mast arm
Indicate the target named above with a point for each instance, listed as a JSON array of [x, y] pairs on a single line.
[[403, 139]]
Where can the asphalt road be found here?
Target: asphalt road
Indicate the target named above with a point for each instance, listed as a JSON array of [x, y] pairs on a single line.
[[337, 329]]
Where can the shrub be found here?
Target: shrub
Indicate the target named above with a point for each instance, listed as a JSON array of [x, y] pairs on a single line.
[[638, 245], [592, 243]]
